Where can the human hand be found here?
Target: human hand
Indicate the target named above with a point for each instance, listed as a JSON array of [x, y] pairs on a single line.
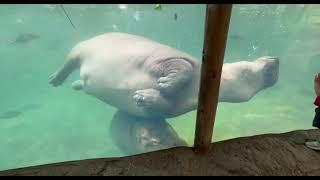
[[317, 84]]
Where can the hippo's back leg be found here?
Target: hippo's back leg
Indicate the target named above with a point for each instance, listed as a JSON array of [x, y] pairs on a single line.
[[72, 63]]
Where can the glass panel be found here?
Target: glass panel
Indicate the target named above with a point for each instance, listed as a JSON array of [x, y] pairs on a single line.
[[42, 124], [291, 33]]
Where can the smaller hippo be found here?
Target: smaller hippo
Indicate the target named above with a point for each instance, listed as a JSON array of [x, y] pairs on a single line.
[[135, 135]]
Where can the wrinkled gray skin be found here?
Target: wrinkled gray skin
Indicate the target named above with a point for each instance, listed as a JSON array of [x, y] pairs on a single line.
[[148, 82], [148, 79], [135, 135]]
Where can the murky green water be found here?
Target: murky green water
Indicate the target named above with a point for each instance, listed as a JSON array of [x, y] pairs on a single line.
[[41, 124]]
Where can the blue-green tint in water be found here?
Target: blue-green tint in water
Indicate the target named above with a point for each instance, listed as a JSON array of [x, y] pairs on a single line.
[[49, 124]]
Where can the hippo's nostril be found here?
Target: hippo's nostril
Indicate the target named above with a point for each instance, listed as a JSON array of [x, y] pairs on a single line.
[[273, 58]]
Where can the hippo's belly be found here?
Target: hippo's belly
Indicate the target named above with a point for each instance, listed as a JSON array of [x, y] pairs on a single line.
[[116, 85], [114, 76]]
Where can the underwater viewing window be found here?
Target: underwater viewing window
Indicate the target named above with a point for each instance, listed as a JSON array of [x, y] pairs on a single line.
[[55, 106], [289, 33]]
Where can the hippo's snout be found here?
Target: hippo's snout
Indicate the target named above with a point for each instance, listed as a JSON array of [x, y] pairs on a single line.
[[271, 70]]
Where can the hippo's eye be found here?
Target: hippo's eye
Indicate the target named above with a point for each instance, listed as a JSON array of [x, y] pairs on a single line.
[[245, 72], [269, 71], [155, 141], [247, 75]]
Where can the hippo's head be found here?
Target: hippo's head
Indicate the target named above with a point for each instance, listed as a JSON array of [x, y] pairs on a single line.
[[156, 136], [269, 66]]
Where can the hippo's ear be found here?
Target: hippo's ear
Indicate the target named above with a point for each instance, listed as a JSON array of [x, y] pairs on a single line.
[[141, 134]]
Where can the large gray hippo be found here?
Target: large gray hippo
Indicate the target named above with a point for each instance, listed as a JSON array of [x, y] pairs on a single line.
[[149, 79]]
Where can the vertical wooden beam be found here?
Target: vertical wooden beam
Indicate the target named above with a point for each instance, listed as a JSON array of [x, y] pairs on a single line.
[[216, 31]]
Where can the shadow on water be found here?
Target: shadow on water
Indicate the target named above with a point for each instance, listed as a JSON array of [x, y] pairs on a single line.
[[25, 38], [30, 107], [10, 114], [15, 113]]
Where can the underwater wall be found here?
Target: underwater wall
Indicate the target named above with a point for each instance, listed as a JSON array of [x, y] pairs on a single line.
[[43, 124]]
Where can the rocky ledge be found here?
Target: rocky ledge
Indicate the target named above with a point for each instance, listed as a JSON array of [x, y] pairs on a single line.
[[269, 154]]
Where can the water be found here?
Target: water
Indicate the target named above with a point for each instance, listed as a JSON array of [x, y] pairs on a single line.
[[42, 124]]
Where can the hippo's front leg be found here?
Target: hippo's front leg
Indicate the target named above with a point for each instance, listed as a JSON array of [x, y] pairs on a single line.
[[152, 101], [174, 74]]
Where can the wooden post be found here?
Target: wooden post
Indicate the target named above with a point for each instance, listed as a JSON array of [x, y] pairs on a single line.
[[216, 31]]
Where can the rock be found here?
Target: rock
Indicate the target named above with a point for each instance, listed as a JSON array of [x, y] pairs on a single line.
[[263, 155]]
